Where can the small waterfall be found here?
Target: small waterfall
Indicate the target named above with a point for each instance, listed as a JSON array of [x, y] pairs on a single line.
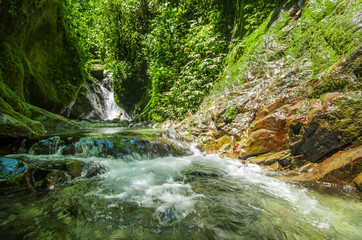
[[96, 101], [111, 109]]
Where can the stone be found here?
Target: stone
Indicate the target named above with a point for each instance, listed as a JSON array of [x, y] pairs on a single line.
[[13, 173], [357, 182], [275, 166], [315, 140], [269, 158], [75, 168], [342, 168]]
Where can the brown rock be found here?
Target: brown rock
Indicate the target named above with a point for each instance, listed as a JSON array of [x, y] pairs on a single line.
[[275, 166], [357, 182], [343, 168], [269, 158]]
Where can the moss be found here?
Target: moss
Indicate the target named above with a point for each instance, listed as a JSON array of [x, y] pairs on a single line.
[[12, 100], [230, 114], [326, 32], [39, 64], [347, 116]]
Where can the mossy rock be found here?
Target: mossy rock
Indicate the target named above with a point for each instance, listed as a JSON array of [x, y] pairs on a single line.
[[12, 173], [75, 168], [39, 65]]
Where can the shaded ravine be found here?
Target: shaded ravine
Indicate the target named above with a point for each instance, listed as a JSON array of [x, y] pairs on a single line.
[[143, 185]]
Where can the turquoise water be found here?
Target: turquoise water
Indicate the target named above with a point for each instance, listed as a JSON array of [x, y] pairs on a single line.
[[172, 196]]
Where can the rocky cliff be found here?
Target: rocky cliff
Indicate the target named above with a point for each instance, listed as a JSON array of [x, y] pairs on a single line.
[[38, 65], [290, 95]]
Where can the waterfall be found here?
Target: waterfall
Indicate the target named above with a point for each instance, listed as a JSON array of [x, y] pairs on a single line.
[[111, 109], [95, 100]]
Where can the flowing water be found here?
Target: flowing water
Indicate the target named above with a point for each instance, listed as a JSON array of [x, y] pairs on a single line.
[[150, 187], [111, 109]]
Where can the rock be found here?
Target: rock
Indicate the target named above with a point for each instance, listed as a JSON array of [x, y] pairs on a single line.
[[75, 168], [342, 168], [52, 121], [37, 62], [93, 170], [13, 174], [202, 174], [275, 166], [357, 182], [55, 177], [89, 102], [15, 127], [306, 167], [97, 69], [270, 158]]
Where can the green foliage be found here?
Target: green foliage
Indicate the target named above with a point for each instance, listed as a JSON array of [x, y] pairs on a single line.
[[250, 14], [317, 41], [123, 26], [77, 19], [185, 59]]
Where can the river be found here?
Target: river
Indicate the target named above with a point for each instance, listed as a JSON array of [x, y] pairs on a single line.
[[150, 186]]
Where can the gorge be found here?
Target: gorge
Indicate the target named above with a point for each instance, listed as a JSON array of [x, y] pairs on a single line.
[[240, 119]]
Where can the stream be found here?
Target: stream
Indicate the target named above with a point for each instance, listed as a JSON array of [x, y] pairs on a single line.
[[144, 184]]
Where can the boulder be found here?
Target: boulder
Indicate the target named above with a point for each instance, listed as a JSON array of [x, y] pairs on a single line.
[[13, 174], [344, 167]]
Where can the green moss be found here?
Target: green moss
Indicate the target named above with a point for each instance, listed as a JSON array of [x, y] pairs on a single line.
[[347, 115], [12, 100], [38, 63], [230, 114], [324, 34]]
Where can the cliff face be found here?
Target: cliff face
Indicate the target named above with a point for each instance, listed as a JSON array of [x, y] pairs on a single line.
[[38, 65], [290, 94]]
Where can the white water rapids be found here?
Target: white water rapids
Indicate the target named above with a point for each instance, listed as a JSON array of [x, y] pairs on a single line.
[[186, 197]]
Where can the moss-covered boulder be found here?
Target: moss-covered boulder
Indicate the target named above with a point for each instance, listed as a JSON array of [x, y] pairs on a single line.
[[13, 174]]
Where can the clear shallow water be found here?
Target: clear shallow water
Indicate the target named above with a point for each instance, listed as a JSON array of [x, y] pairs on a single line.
[[185, 197]]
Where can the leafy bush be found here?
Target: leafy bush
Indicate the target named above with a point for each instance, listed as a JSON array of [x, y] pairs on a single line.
[[185, 59]]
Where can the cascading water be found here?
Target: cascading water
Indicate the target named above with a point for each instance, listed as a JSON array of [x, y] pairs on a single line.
[[96, 101], [140, 185], [111, 109]]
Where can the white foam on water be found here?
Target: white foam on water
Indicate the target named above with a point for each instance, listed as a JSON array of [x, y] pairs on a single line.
[[159, 184]]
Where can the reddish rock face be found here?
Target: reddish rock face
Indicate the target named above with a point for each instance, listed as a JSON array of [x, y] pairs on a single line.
[[311, 131], [344, 167]]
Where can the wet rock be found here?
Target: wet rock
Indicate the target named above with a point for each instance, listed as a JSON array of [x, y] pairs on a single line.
[[271, 158], [56, 177], [13, 173], [357, 182], [89, 103], [39, 174], [93, 170], [259, 142], [275, 166], [306, 167], [19, 126], [52, 121], [341, 168], [314, 141], [202, 174], [75, 168]]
